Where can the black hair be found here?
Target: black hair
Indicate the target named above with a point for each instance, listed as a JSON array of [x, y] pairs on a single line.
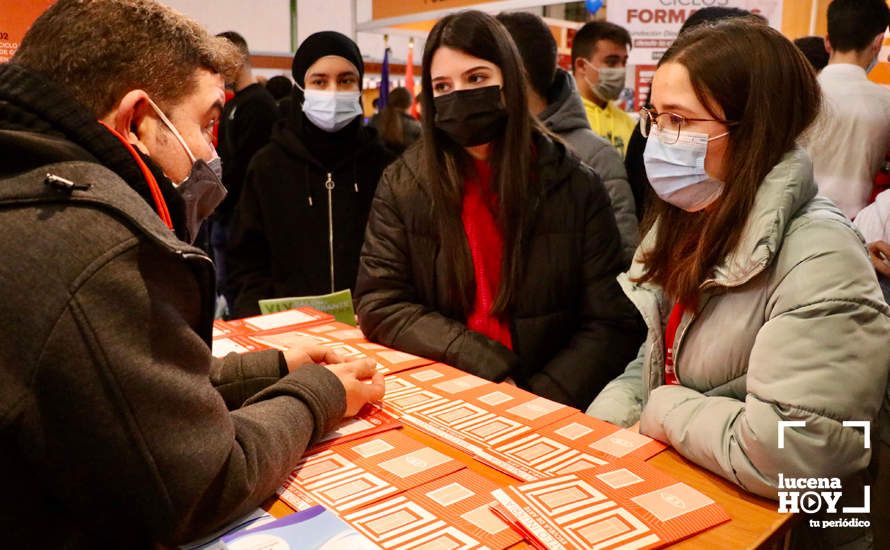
[[587, 36], [813, 48], [853, 24], [536, 46], [447, 164], [237, 40], [279, 86]]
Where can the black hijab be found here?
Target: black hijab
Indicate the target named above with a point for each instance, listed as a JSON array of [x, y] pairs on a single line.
[[327, 147]]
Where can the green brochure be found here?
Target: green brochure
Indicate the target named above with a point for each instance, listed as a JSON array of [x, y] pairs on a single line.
[[338, 304]]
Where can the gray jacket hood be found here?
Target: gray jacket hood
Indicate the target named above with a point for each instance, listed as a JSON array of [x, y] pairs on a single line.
[[564, 112]]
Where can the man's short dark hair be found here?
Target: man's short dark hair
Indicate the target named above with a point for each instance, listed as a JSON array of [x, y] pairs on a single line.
[[536, 45], [99, 50], [237, 40], [813, 48], [853, 24], [279, 86], [587, 36]]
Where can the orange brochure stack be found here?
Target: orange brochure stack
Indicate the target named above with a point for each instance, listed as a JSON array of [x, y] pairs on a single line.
[[354, 474], [287, 329], [519, 433], [371, 420], [626, 504], [450, 512], [235, 336]]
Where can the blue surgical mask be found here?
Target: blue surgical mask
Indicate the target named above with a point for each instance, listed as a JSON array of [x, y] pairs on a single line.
[[331, 111], [677, 171]]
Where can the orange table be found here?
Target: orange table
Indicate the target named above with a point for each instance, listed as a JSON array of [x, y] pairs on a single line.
[[755, 521]]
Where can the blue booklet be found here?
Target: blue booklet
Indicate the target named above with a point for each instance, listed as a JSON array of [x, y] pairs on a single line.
[[314, 529]]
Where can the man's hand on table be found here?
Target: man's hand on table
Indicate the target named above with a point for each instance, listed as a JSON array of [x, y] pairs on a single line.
[[310, 353], [361, 380]]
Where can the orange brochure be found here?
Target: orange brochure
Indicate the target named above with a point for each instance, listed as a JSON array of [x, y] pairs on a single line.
[[235, 343], [503, 399], [354, 474], [451, 512], [626, 504], [354, 342], [605, 440], [221, 328], [291, 318], [372, 419]]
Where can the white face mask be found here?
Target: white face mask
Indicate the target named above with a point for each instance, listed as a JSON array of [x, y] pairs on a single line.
[[677, 171], [611, 81], [331, 111]]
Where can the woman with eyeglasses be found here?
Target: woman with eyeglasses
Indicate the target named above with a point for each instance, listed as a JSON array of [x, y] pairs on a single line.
[[490, 247], [758, 295]]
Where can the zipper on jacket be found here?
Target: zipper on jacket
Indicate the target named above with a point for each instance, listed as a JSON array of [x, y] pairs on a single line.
[[329, 185], [682, 333]]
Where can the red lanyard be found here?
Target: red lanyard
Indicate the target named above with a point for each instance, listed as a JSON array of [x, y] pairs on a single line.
[[670, 334], [149, 178]]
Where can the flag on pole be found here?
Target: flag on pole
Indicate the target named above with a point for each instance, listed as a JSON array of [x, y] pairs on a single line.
[[384, 75], [409, 76]]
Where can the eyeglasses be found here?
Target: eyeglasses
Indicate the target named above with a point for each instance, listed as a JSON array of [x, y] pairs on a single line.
[[669, 124]]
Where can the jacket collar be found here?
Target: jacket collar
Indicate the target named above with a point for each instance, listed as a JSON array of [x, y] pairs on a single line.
[[785, 190], [30, 102], [564, 111]]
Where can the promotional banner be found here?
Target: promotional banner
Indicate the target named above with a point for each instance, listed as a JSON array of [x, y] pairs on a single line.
[[15, 21], [654, 24]]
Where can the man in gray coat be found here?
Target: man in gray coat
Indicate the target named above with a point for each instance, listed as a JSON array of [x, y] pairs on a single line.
[[117, 427], [554, 99]]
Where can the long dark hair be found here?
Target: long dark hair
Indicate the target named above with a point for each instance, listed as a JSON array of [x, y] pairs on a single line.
[[765, 84], [448, 164], [391, 125]]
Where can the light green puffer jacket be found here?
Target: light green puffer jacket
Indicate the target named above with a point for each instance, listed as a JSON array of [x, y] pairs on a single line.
[[792, 326]]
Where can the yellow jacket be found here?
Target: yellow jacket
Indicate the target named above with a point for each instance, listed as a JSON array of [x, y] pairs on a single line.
[[611, 123]]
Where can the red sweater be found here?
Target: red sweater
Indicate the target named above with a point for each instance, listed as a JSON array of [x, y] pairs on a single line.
[[479, 216]]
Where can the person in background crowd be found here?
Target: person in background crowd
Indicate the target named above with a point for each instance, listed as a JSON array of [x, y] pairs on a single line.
[[299, 226], [417, 105], [633, 161], [280, 87], [813, 48], [397, 128], [490, 247], [553, 99], [758, 294], [852, 135], [873, 222], [599, 62], [244, 128], [120, 430], [375, 104]]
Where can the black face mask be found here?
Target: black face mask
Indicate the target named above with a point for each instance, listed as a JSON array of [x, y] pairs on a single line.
[[471, 117]]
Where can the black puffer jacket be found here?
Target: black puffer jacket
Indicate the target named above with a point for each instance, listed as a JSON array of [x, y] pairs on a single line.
[[573, 329], [279, 240]]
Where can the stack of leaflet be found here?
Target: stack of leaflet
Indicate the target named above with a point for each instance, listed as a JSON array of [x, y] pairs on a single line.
[[586, 485], [626, 504], [517, 432], [400, 493], [294, 327]]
